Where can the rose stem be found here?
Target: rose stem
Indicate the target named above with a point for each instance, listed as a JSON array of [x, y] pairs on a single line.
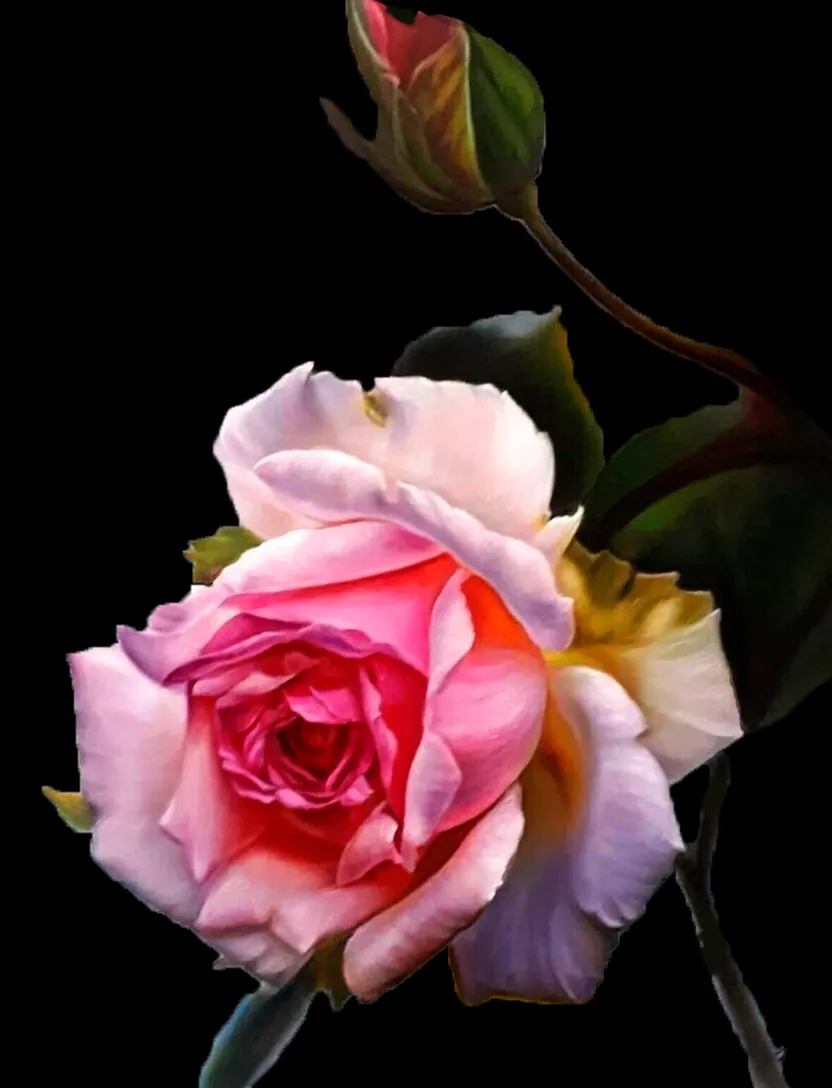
[[693, 875], [523, 206]]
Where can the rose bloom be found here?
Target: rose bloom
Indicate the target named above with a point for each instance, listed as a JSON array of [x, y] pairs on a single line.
[[417, 714]]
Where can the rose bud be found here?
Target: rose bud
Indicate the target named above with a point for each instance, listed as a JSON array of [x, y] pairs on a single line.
[[461, 122]]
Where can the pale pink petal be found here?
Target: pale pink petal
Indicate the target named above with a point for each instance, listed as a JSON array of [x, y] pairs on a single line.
[[303, 410], [261, 953], [631, 837], [556, 536], [371, 845], [470, 444], [298, 560], [550, 930], [335, 487], [207, 816], [298, 902], [683, 685], [131, 735], [393, 944]]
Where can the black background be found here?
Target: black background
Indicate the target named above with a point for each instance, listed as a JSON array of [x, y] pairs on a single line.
[[196, 231]]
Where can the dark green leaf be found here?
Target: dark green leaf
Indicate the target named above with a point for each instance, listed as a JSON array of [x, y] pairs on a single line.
[[508, 115], [526, 355], [212, 554], [262, 1026], [738, 499]]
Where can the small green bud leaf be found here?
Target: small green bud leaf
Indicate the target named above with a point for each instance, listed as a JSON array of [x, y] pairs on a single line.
[[212, 554], [73, 808], [508, 115]]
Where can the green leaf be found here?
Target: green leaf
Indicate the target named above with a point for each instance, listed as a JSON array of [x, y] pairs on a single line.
[[527, 356], [73, 808], [260, 1029], [508, 115], [738, 499], [212, 554]]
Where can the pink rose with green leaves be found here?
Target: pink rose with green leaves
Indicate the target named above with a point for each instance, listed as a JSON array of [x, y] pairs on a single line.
[[406, 719]]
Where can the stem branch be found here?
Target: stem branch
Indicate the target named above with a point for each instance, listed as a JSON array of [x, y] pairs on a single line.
[[523, 206], [693, 875]]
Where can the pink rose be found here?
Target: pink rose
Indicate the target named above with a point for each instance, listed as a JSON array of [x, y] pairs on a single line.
[[326, 743]]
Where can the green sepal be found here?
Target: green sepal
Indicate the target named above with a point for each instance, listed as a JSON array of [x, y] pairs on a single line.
[[508, 115], [212, 554], [260, 1029], [73, 808]]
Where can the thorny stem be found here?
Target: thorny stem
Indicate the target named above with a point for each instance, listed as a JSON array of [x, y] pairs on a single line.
[[523, 206], [693, 875]]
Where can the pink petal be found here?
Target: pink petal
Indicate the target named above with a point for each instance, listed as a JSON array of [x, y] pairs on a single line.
[[131, 735], [371, 845], [488, 711], [176, 634], [393, 944], [299, 902], [550, 930], [401, 47], [470, 444], [391, 609], [335, 487], [206, 815], [432, 786]]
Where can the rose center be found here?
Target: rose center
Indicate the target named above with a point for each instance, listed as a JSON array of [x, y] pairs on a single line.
[[314, 747]]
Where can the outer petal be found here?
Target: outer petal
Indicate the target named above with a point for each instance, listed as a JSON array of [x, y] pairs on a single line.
[[550, 930], [394, 943], [294, 899], [683, 685], [663, 644], [472, 445], [131, 734], [176, 633], [335, 487], [301, 411]]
